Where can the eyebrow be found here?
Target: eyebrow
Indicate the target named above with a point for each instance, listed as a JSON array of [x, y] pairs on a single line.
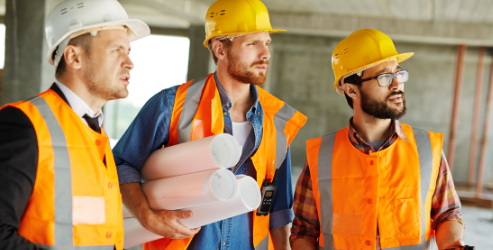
[[259, 41], [382, 71]]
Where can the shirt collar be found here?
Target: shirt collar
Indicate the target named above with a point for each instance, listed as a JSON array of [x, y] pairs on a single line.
[[395, 129], [226, 102], [78, 105]]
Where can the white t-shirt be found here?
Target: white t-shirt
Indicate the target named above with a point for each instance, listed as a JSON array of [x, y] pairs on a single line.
[[241, 130]]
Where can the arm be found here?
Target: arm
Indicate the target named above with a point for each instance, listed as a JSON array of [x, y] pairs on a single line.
[[18, 168], [306, 226], [148, 132], [281, 213], [163, 222], [445, 210]]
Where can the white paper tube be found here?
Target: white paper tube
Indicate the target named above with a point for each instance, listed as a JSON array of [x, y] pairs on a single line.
[[135, 234], [214, 152], [190, 190], [126, 213], [246, 199]]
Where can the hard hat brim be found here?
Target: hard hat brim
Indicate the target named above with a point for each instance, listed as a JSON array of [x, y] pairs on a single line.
[[400, 58], [139, 30], [206, 41]]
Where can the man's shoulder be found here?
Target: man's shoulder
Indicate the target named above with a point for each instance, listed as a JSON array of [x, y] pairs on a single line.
[[330, 136]]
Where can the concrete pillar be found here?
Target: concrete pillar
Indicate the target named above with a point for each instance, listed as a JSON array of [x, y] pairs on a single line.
[[198, 58], [25, 50]]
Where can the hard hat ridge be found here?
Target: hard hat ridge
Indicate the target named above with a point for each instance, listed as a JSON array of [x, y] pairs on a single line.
[[83, 16], [232, 18], [361, 50]]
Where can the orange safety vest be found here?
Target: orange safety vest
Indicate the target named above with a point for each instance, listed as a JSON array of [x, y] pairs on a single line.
[[198, 113], [391, 189], [76, 201]]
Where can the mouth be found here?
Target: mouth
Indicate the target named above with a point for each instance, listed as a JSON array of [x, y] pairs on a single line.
[[396, 98], [262, 67], [126, 79]]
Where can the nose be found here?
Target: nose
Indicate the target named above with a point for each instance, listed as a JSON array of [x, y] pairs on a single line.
[[396, 85], [127, 63], [265, 54]]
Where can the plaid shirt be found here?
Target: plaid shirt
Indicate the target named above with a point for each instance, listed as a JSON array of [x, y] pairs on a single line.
[[445, 201]]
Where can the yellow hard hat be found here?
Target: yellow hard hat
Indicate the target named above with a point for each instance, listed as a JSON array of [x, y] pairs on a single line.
[[236, 17], [361, 50]]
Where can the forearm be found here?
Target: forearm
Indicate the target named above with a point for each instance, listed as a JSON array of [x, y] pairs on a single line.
[[302, 244], [449, 234], [134, 199], [280, 237]]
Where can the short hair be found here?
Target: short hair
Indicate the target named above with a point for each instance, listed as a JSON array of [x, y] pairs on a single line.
[[83, 41], [226, 44], [353, 79]]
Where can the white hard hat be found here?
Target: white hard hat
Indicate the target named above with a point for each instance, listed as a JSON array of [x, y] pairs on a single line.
[[77, 16]]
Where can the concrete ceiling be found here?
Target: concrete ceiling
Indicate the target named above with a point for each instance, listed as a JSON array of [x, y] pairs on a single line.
[[431, 21]]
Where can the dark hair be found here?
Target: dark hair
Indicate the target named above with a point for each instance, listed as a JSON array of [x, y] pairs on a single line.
[[83, 41], [353, 79], [226, 44]]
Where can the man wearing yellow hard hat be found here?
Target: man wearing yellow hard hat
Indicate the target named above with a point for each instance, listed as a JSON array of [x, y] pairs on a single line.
[[227, 101], [377, 183]]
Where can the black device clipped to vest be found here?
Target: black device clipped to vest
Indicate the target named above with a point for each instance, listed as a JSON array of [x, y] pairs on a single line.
[[268, 191]]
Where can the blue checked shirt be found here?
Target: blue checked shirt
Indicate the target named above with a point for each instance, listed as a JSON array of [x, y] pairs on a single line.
[[150, 131]]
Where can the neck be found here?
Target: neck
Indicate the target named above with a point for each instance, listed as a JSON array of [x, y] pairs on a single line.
[[369, 128], [80, 89], [239, 94]]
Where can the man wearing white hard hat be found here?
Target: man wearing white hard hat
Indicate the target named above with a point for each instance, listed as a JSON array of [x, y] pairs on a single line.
[[227, 101], [58, 178]]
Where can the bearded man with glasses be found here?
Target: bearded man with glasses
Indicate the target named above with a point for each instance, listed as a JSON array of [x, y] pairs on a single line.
[[376, 184]]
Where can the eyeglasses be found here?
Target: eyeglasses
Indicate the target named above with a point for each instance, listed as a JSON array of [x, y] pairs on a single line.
[[384, 80]]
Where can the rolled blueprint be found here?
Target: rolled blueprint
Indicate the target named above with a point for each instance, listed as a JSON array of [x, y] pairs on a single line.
[[135, 234], [126, 213], [214, 152], [190, 190], [246, 199]]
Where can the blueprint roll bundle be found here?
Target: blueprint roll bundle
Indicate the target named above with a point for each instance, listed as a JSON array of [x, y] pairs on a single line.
[[214, 152], [246, 199], [194, 176], [190, 190]]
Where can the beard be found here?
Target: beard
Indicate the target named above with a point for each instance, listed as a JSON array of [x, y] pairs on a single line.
[[382, 110], [100, 85], [240, 71]]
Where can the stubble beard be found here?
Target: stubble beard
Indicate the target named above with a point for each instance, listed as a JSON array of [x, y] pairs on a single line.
[[240, 71], [382, 110], [100, 85]]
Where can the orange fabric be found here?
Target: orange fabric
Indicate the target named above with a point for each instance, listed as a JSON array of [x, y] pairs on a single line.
[[90, 177], [313, 149], [377, 188], [181, 93], [209, 121]]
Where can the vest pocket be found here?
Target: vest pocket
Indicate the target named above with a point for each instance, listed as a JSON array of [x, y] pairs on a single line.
[[406, 217]]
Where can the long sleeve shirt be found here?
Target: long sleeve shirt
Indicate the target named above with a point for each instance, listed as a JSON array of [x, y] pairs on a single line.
[[445, 201], [150, 131]]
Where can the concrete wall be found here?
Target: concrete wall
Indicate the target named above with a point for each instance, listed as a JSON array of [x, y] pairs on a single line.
[[301, 74]]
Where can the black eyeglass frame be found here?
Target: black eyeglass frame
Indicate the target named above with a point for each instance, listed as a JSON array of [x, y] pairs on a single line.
[[391, 74]]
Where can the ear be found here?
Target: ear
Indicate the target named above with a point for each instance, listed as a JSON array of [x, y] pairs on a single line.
[[73, 56], [219, 50], [351, 90]]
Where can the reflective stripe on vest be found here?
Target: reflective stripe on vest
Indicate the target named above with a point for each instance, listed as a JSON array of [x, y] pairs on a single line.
[[63, 183], [48, 219], [198, 113], [322, 179]]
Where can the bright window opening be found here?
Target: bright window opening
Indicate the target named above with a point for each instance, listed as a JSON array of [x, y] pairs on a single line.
[[160, 62]]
